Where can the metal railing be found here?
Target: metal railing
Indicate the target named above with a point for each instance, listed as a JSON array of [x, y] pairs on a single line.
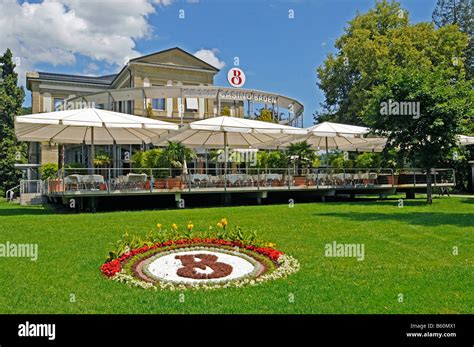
[[10, 193], [31, 187], [142, 180]]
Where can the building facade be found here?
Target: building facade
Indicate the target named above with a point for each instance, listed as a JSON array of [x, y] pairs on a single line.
[[171, 85]]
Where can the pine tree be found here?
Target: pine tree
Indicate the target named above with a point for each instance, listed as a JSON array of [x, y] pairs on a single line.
[[11, 99]]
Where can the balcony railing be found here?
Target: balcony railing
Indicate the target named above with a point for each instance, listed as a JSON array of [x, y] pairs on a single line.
[[140, 180]]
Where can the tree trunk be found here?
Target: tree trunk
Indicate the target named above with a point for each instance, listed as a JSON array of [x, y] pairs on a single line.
[[61, 156], [429, 189]]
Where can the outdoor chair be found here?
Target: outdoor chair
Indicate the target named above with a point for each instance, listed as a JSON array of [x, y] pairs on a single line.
[[73, 182], [198, 180], [214, 181], [136, 181]]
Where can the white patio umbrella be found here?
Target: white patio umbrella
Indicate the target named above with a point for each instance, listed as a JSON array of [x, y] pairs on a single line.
[[226, 131], [329, 135], [466, 140], [89, 126]]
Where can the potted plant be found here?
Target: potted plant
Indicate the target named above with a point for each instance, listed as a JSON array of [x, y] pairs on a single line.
[[49, 172], [175, 154], [300, 155]]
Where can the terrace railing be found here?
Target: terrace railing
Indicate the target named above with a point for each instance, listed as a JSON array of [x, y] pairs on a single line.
[[142, 180]]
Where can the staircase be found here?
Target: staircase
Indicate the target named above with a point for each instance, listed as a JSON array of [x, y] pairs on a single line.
[[32, 199], [31, 193]]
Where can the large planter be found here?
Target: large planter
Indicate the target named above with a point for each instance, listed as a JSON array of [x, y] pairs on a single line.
[[174, 183], [299, 180], [393, 180], [55, 185], [277, 183], [160, 183]]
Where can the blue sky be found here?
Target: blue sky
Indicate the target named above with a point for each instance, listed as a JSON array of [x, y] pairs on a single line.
[[278, 54]]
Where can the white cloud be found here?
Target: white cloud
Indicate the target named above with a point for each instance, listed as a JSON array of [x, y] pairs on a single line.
[[209, 56], [56, 31]]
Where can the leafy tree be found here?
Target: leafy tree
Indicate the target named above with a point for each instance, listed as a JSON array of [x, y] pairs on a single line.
[[367, 160], [339, 161], [48, 171], [225, 111], [428, 140], [265, 115], [301, 155], [271, 160], [373, 43], [461, 13], [11, 99], [176, 153], [268, 114]]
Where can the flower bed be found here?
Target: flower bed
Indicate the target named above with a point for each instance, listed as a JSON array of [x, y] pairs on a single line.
[[199, 263]]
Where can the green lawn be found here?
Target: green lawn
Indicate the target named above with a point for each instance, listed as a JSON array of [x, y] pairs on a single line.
[[407, 251]]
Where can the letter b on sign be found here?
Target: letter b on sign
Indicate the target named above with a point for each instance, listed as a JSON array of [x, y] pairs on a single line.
[[236, 77]]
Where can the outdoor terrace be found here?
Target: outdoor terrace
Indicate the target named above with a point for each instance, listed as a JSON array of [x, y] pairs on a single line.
[[323, 181]]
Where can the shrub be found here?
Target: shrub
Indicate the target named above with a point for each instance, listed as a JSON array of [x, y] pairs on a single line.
[[48, 170]]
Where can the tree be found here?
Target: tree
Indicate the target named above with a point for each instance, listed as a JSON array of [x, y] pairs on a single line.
[[346, 75], [460, 13], [225, 111], [175, 153], [11, 99], [426, 139], [301, 155], [268, 114], [372, 43]]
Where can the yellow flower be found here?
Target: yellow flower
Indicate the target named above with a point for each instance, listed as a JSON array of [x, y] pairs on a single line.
[[174, 226], [269, 244], [190, 226], [224, 221], [219, 225], [158, 226]]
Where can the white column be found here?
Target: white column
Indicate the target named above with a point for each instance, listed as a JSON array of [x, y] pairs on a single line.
[[201, 105], [47, 102], [169, 102], [180, 102], [146, 83]]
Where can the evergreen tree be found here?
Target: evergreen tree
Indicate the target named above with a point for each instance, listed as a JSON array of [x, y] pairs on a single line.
[[11, 99]]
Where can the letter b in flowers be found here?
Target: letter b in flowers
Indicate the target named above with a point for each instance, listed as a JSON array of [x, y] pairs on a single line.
[[191, 266]]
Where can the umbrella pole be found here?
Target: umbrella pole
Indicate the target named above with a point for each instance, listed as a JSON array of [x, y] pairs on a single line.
[[327, 152], [225, 157], [92, 149]]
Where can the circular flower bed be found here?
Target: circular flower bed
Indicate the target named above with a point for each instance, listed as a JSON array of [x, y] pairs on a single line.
[[199, 263]]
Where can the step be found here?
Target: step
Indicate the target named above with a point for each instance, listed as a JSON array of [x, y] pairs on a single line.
[[32, 199]]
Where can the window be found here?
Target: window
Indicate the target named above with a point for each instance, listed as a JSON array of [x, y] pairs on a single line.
[[158, 104], [192, 104], [58, 104]]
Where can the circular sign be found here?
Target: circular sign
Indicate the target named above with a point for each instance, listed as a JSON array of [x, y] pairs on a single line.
[[195, 266], [236, 77]]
